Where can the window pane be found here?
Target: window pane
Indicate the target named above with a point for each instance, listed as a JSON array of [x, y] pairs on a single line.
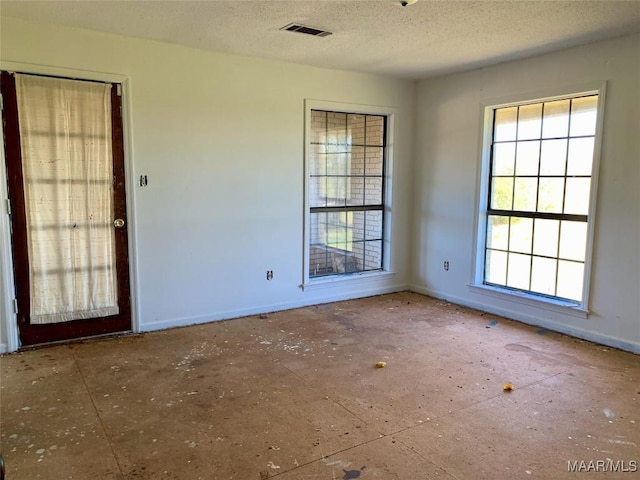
[[336, 191], [350, 263], [583, 116], [318, 126], [333, 236], [496, 267], [555, 121], [373, 191], [356, 196], [318, 227], [319, 260], [373, 161], [356, 161], [529, 121], [331, 229], [373, 255], [550, 174], [317, 189], [317, 161], [366, 225], [573, 240], [543, 275], [550, 193], [337, 164], [519, 270], [504, 155], [521, 235], [524, 196], [336, 244], [577, 196], [356, 128], [553, 157], [357, 226], [344, 175], [331, 148], [338, 231], [336, 128], [545, 237], [527, 158], [373, 229], [498, 232], [505, 124], [580, 157], [502, 193], [375, 130], [570, 279]]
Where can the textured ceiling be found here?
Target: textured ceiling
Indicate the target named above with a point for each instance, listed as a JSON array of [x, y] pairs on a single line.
[[378, 36]]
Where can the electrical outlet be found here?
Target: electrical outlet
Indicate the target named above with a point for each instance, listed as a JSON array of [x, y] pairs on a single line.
[[269, 274], [446, 265]]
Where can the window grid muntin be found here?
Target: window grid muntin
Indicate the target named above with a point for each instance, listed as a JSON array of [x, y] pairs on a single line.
[[560, 217], [364, 206]]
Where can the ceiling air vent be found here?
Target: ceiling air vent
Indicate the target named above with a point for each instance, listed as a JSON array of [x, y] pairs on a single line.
[[294, 27]]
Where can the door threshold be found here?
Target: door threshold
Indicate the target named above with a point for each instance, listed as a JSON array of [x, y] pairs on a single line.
[[70, 341]]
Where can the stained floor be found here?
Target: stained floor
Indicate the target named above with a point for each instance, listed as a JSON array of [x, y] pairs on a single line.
[[296, 395]]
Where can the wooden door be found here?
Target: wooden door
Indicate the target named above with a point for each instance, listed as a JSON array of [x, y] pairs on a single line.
[[66, 180]]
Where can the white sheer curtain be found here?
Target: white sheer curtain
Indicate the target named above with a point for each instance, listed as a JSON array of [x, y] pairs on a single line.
[[65, 132]]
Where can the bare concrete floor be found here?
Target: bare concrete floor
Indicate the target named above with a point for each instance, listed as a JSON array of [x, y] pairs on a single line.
[[296, 396]]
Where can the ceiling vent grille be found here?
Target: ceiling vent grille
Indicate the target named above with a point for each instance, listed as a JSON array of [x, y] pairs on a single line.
[[294, 27]]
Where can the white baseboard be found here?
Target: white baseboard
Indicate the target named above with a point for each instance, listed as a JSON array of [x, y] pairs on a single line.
[[275, 307], [532, 320]]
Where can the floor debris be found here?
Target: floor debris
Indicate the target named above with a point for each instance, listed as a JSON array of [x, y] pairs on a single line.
[[350, 474], [212, 411]]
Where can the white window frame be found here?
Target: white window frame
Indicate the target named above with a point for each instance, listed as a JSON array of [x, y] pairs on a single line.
[[477, 285], [392, 125]]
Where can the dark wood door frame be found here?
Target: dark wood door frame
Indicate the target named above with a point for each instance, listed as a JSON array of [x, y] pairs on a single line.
[[37, 334]]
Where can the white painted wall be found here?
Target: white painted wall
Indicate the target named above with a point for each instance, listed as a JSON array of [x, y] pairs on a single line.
[[447, 145], [221, 140]]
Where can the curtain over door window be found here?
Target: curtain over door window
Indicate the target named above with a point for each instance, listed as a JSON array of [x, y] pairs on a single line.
[[69, 200]]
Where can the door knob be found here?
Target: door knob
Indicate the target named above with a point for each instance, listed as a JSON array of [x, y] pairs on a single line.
[[118, 223]]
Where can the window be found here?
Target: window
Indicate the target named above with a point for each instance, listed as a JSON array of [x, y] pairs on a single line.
[[346, 191], [539, 186]]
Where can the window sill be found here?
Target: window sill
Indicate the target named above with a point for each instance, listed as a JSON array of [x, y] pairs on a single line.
[[558, 306], [333, 281]]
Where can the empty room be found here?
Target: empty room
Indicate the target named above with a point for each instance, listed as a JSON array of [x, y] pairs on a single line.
[[331, 239]]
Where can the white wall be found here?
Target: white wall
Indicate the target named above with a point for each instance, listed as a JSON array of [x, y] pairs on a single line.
[[220, 138], [447, 146]]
